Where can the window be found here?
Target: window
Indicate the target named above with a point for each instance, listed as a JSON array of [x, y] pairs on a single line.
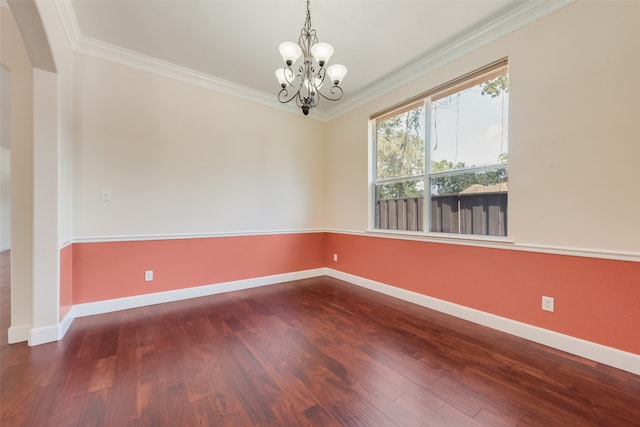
[[448, 146]]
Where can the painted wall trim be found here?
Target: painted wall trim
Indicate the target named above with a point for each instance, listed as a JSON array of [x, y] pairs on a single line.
[[482, 242], [18, 333], [100, 307], [497, 243], [142, 237], [626, 361]]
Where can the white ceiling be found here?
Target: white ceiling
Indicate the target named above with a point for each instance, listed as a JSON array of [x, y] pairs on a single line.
[[235, 43]]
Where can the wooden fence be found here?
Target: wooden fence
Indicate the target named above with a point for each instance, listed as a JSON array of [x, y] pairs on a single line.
[[484, 213]]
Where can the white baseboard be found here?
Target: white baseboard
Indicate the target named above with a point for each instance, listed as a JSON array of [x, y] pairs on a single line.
[[66, 322], [17, 334], [607, 355], [626, 361], [44, 334], [99, 307]]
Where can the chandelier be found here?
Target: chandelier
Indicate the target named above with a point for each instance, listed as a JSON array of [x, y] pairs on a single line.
[[305, 85]]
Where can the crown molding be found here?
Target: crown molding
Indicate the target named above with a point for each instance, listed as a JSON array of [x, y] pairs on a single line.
[[478, 37], [88, 46], [69, 21], [108, 52]]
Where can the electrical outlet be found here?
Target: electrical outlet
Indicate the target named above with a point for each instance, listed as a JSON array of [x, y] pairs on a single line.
[[547, 304], [148, 275], [105, 195], [335, 257]]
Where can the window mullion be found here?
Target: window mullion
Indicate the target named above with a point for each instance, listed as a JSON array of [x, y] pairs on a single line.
[[462, 171], [426, 199], [399, 179], [373, 172]]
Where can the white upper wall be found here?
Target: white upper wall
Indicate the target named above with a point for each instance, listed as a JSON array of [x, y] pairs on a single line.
[[180, 159], [573, 136], [15, 58], [63, 56]]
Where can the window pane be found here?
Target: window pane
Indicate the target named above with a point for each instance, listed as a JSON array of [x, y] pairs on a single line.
[[400, 145], [470, 203], [399, 205], [469, 128]]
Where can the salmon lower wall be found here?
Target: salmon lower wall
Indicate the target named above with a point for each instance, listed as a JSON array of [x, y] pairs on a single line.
[[596, 300], [109, 270], [66, 280]]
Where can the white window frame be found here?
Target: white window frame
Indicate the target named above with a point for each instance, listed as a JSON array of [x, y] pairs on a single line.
[[440, 91]]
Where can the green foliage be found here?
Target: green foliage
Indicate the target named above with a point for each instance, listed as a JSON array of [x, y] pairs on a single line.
[[400, 145], [400, 153], [446, 165], [496, 86], [400, 190]]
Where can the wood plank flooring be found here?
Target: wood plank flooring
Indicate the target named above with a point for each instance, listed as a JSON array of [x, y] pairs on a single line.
[[316, 352]]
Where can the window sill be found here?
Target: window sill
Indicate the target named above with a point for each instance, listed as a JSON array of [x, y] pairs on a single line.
[[447, 238]]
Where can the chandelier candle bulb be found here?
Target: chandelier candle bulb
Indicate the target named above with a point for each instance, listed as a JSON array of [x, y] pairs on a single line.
[[304, 84], [322, 52], [336, 73], [290, 52]]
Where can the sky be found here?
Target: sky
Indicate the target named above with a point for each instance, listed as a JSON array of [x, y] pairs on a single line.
[[477, 138]]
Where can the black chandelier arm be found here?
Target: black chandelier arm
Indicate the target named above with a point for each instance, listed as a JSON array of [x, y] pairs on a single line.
[[336, 93], [295, 82], [284, 96], [321, 74], [297, 77]]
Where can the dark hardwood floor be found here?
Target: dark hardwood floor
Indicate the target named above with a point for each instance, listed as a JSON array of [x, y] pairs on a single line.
[[316, 352]]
